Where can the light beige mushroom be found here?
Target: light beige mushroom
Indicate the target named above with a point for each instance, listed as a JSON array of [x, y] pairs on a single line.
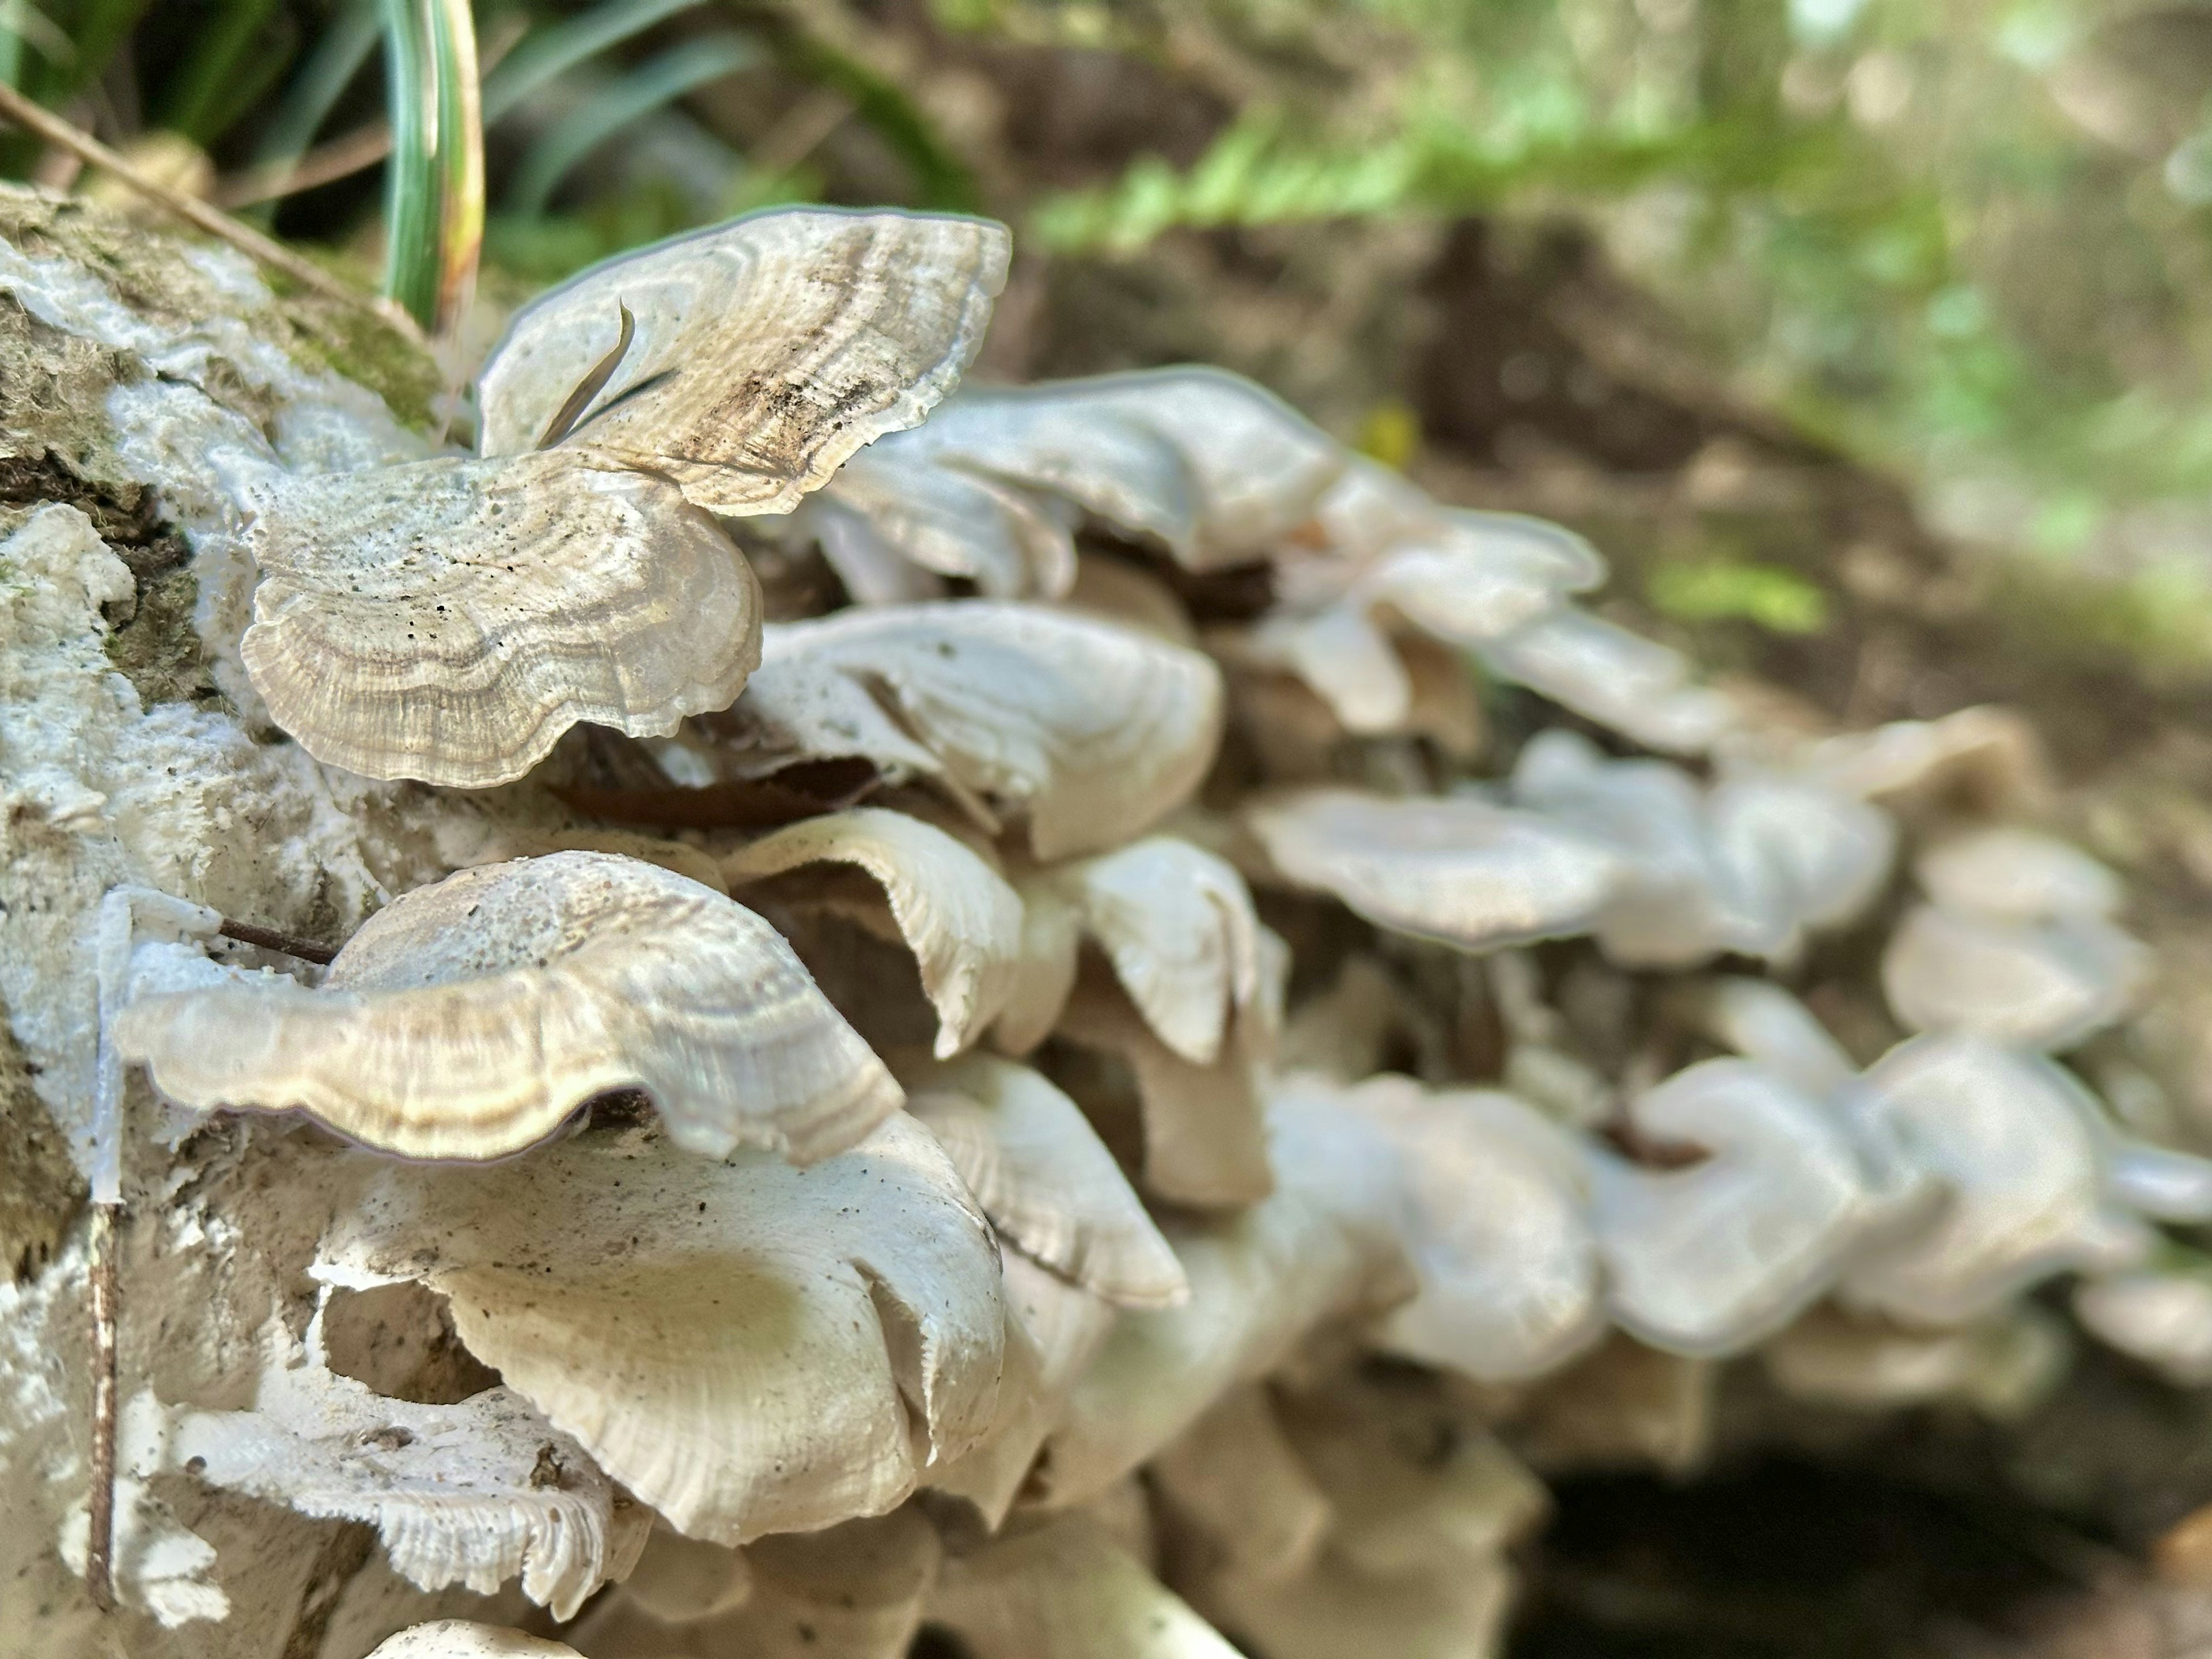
[[1066, 1590], [457, 1638], [1233, 1475], [1093, 731], [2001, 1366], [962, 921], [748, 1346], [1040, 1172], [1985, 760], [678, 1580], [1763, 1023], [1707, 1259], [1177, 925], [2161, 1318], [1204, 1142], [1123, 592], [474, 1493], [2017, 1147], [763, 353], [1622, 1406], [448, 620], [2017, 943], [893, 526], [851, 1591], [1461, 869], [1325, 1245], [1623, 681], [1507, 1262], [468, 1020]]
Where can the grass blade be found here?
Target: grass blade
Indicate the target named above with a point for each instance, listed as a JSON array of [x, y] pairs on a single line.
[[548, 52], [433, 184]]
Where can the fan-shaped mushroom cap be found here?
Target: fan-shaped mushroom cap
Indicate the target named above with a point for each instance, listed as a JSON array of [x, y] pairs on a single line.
[[892, 525], [2163, 1319], [1040, 1172], [455, 1490], [1175, 921], [1121, 591], [1989, 756], [679, 1580], [1763, 1023], [1808, 856], [469, 1018], [2160, 1182], [766, 351], [457, 1638], [1621, 680], [1066, 1590], [1204, 1141], [2001, 1366], [748, 1346], [851, 1591], [1459, 869], [2039, 985], [1705, 1260], [1508, 1264], [1324, 1245], [448, 620], [2005, 870], [1096, 731], [962, 921], [2016, 1143], [1623, 1405]]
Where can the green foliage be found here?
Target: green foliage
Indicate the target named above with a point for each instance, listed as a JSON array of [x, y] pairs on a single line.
[[1728, 590]]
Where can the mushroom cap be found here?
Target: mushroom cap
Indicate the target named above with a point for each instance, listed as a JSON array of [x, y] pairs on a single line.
[[748, 1346], [888, 513], [1096, 731], [1458, 869], [1121, 591], [2005, 871], [1808, 856], [2016, 1143], [1234, 1475], [1763, 1023], [767, 350], [2163, 1319], [1624, 682], [2001, 1366], [457, 1638], [2038, 984], [469, 1018], [958, 915], [1067, 1590], [1705, 1260], [448, 620], [1176, 923], [1040, 1172], [1507, 1262], [1326, 1244], [455, 1490], [1988, 759]]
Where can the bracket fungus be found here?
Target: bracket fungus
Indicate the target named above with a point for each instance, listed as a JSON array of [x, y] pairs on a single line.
[[448, 619], [1092, 732], [469, 1018], [637, 1327]]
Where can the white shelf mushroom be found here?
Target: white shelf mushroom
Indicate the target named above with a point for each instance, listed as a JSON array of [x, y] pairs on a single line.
[[448, 619], [457, 1638], [469, 1018], [1461, 869], [1623, 681], [748, 1346], [1092, 731], [2016, 944], [953, 910], [1706, 1260]]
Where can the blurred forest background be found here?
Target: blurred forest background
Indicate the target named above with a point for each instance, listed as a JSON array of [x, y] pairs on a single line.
[[1869, 339]]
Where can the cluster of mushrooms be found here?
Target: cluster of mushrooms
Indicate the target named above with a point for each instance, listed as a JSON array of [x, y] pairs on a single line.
[[1055, 1082]]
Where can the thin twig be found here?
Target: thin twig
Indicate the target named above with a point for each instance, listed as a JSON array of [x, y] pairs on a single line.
[[216, 223], [364, 147], [269, 939], [99, 1503]]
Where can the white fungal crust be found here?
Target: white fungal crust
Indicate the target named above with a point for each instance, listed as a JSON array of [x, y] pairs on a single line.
[[1067, 1590], [468, 1020], [749, 1347], [1092, 732], [1460, 870], [473, 1494], [956, 914], [766, 351], [450, 619], [1040, 1172], [1500, 1237]]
